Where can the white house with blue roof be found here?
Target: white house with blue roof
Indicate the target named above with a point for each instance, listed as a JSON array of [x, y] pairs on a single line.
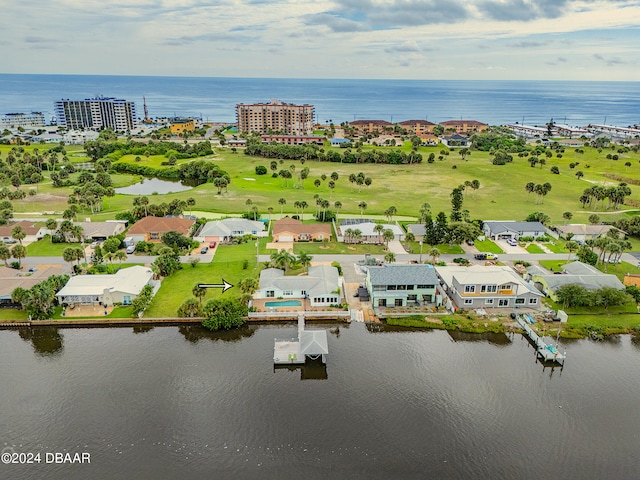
[[509, 229], [393, 285]]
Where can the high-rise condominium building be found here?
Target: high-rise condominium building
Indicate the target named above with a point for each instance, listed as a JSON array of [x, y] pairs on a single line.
[[96, 114], [24, 120], [275, 117]]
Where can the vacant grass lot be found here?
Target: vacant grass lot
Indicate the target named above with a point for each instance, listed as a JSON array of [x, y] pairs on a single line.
[[227, 264]]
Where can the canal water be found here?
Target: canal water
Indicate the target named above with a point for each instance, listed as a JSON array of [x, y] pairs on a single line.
[[180, 402]]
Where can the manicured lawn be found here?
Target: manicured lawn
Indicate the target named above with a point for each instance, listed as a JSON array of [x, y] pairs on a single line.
[[625, 321], [445, 249], [619, 269], [11, 314], [318, 248], [553, 265], [227, 264], [557, 246], [44, 248], [488, 246], [533, 248]]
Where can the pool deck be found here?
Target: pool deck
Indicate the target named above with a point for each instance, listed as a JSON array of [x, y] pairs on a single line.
[[259, 304]]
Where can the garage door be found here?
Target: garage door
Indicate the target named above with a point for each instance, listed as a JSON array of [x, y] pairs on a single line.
[[285, 238]]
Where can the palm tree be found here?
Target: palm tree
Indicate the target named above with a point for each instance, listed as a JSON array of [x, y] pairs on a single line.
[[387, 236], [18, 233], [434, 253], [121, 256], [379, 228], [282, 203], [303, 205], [567, 216], [248, 203], [51, 225], [199, 292], [362, 206], [5, 253], [19, 252], [270, 210], [248, 285], [571, 246], [338, 206], [305, 260], [390, 257], [282, 259], [357, 235], [348, 235]]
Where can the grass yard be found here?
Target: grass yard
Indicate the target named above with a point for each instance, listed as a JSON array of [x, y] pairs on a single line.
[[488, 246], [13, 315], [227, 264], [318, 248], [553, 265], [619, 270], [533, 248], [557, 246], [445, 249], [44, 248]]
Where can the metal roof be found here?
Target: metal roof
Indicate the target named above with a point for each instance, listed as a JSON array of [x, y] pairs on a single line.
[[403, 275]]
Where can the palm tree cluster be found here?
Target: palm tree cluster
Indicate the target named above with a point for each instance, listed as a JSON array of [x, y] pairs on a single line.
[[597, 193], [285, 260], [541, 190]]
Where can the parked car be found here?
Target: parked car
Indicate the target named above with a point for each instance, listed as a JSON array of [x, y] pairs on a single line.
[[471, 243], [204, 249], [485, 256], [512, 242], [131, 249], [212, 245], [9, 241]]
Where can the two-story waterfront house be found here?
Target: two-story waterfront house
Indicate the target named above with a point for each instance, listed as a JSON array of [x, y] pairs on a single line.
[[481, 286], [402, 285]]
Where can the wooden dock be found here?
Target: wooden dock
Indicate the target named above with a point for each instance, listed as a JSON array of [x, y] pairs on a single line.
[[545, 352]]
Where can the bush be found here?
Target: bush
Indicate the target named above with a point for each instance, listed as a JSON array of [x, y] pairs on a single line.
[[224, 314], [261, 170], [338, 266], [461, 261]]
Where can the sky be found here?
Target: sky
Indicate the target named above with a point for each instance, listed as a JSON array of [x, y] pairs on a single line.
[[400, 39]]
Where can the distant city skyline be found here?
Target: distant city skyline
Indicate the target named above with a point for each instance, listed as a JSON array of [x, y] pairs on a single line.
[[410, 39]]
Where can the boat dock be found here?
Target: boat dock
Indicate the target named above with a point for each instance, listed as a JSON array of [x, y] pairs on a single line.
[[310, 343], [545, 352]]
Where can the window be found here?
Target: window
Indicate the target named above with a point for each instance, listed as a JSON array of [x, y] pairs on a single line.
[[401, 287], [426, 286], [126, 299], [382, 302], [412, 298], [488, 288], [304, 293], [533, 301], [503, 302], [379, 288], [519, 301], [391, 287], [469, 289], [505, 287], [468, 301], [270, 294], [410, 287], [398, 302], [488, 301], [287, 293]]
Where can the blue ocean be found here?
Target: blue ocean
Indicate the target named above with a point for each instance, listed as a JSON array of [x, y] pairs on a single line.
[[214, 99]]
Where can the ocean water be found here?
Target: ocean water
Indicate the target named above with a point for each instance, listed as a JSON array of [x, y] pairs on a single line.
[[214, 99]]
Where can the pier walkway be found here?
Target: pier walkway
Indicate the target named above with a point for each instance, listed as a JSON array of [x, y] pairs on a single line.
[[545, 352]]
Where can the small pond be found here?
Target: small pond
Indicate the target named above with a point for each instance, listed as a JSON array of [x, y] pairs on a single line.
[[150, 185]]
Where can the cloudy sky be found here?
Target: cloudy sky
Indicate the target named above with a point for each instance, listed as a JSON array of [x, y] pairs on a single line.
[[412, 39]]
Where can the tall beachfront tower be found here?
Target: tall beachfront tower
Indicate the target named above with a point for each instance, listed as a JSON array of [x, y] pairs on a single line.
[[96, 113], [275, 117]]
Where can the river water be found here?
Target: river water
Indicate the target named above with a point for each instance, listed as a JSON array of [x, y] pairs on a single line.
[[179, 402]]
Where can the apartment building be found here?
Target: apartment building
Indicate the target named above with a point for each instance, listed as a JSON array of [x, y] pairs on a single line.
[[24, 120], [96, 114], [275, 117]]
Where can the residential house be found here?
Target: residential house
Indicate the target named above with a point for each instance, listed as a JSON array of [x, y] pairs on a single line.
[[393, 285], [456, 141], [481, 286], [418, 230], [464, 126], [224, 230], [508, 229], [581, 232], [366, 227], [100, 231], [291, 230], [33, 231], [321, 286], [10, 279], [151, 229], [574, 273], [121, 287]]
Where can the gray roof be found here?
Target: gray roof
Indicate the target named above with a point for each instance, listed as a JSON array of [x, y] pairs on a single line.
[[314, 342], [128, 280], [537, 270], [498, 227], [416, 228], [403, 275], [101, 229], [321, 280], [227, 227], [582, 274], [584, 229]]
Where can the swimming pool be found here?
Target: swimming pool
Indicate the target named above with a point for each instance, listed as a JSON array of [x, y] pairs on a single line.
[[284, 303]]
